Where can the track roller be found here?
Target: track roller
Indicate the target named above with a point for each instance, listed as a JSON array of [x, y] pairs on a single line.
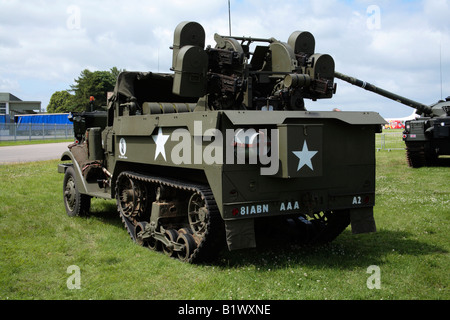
[[171, 236], [201, 232], [140, 227], [189, 245]]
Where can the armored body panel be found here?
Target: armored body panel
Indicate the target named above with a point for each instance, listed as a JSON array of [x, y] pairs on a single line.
[[222, 153], [426, 137]]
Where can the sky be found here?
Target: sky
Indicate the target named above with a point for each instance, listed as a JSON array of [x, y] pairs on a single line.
[[399, 45]]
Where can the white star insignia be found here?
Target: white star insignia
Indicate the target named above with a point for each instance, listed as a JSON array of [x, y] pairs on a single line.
[[305, 157], [160, 141]]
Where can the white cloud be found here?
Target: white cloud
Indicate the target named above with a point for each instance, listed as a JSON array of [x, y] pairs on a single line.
[[8, 85]]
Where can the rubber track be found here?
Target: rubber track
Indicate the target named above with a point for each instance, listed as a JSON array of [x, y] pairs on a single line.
[[214, 237], [415, 155]]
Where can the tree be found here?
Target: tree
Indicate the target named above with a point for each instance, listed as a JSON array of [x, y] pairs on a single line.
[[115, 72], [96, 84], [61, 102]]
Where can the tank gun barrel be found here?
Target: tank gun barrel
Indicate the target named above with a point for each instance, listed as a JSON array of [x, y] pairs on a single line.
[[421, 108]]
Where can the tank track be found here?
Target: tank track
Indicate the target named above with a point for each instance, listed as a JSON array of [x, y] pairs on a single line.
[[418, 155], [213, 239], [415, 155]]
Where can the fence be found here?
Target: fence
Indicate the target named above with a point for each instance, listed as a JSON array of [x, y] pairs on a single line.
[[389, 141], [35, 131]]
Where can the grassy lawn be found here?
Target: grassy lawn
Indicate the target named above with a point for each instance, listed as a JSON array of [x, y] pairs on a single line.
[[39, 242]]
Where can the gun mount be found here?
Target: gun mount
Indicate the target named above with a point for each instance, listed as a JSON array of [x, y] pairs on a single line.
[[276, 76]]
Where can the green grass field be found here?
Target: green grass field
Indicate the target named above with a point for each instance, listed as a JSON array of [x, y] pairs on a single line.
[[39, 242]]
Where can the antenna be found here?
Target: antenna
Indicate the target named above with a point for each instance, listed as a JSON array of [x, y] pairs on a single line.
[[440, 63], [229, 17]]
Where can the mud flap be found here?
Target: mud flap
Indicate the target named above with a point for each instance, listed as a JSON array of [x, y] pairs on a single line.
[[362, 220], [240, 234]]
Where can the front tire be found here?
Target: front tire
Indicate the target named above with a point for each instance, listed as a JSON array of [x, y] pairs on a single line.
[[76, 204]]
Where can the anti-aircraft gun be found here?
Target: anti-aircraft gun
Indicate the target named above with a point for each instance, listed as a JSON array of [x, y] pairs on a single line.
[[222, 152], [427, 136]]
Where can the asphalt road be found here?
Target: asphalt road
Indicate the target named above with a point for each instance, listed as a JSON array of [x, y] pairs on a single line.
[[32, 152]]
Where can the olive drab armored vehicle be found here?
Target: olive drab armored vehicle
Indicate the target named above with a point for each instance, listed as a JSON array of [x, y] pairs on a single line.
[[426, 137], [222, 154]]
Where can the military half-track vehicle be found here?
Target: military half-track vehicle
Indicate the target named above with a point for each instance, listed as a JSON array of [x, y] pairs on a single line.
[[426, 137], [222, 153]]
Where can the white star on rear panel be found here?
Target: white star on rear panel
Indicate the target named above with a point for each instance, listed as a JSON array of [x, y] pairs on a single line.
[[305, 157]]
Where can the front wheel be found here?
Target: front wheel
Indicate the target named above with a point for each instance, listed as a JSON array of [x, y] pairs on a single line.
[[76, 204]]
